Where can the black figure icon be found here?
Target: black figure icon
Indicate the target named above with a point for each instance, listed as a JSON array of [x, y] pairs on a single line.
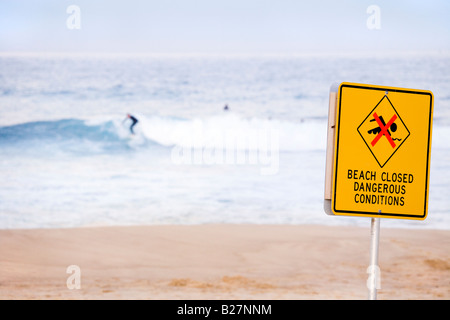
[[377, 130]]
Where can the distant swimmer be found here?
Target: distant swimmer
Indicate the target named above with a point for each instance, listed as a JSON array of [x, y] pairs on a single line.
[[134, 121]]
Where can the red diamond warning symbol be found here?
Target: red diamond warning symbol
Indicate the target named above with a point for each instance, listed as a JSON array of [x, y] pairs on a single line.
[[383, 138]]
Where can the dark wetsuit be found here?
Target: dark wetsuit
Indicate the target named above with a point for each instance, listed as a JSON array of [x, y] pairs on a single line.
[[133, 124]]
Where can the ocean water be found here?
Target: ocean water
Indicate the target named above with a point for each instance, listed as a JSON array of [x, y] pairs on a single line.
[[67, 158]]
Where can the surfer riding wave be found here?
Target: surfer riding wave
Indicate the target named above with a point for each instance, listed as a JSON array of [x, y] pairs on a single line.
[[134, 122]]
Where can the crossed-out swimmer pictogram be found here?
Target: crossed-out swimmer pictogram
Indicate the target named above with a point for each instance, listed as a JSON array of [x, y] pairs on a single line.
[[374, 127], [384, 129]]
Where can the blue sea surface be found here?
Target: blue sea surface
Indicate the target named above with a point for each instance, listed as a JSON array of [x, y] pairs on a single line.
[[67, 158]]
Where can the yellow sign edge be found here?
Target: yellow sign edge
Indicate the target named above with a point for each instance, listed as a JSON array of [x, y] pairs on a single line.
[[335, 155]]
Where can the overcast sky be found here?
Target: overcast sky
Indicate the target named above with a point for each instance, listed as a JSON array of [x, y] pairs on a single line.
[[225, 26]]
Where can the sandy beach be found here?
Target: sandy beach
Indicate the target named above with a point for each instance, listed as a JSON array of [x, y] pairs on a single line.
[[222, 262]]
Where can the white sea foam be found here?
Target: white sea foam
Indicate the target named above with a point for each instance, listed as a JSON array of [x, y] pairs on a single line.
[[67, 158]]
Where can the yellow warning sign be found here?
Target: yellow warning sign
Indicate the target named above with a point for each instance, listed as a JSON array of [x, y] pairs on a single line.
[[382, 152]]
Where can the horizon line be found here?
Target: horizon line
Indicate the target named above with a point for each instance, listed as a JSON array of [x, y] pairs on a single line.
[[394, 53]]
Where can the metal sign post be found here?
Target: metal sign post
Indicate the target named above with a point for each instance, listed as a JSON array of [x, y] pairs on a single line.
[[373, 283]]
